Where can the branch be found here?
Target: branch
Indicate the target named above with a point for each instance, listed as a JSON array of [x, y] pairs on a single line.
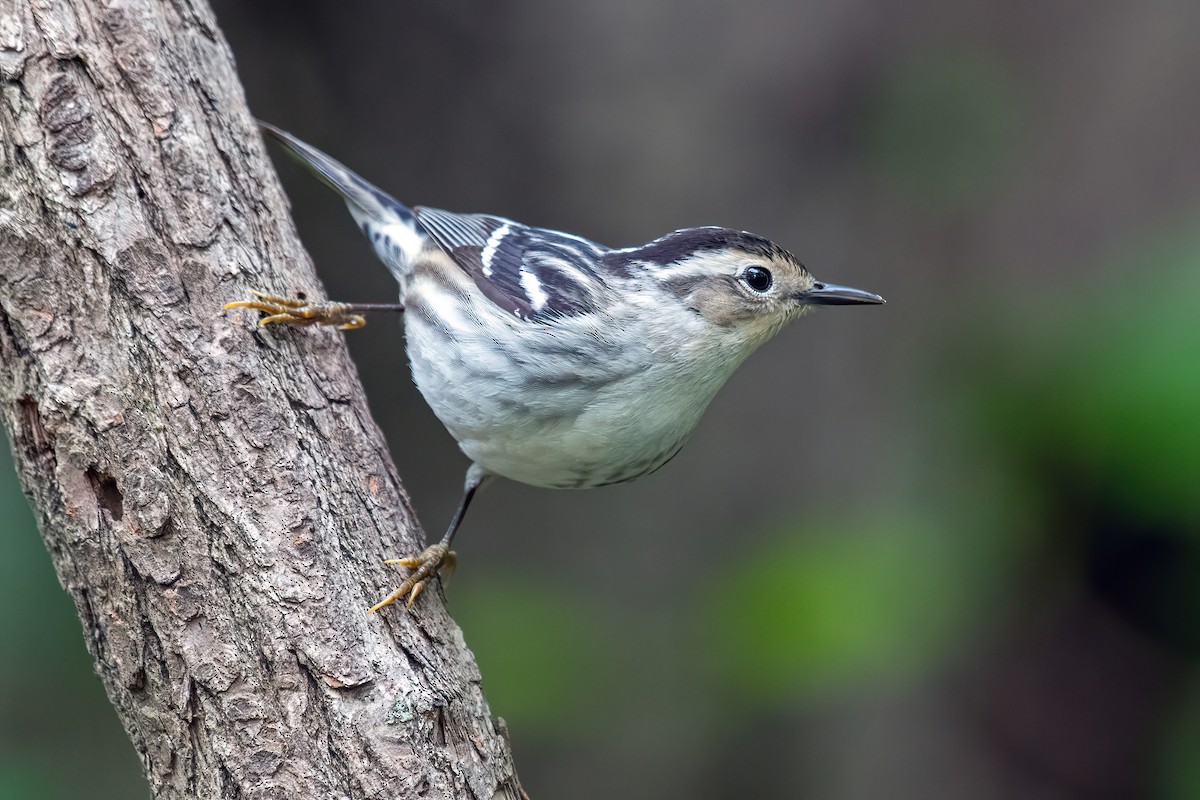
[[217, 501]]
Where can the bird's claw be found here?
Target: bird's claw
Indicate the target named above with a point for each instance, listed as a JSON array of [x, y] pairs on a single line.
[[431, 560], [292, 311]]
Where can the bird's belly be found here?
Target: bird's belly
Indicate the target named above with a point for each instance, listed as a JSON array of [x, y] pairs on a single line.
[[576, 438], [525, 405], [572, 454], [572, 435]]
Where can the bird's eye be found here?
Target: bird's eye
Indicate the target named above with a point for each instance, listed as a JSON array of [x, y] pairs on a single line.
[[757, 278]]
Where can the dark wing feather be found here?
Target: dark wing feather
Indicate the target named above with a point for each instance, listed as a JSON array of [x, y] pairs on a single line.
[[534, 273]]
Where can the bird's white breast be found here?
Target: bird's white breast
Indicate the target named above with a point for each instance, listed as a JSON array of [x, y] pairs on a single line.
[[564, 404]]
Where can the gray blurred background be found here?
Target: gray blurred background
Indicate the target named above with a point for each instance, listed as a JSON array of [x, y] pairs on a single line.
[[946, 548]]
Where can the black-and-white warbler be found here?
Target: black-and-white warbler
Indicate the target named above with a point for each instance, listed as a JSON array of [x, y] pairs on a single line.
[[551, 359]]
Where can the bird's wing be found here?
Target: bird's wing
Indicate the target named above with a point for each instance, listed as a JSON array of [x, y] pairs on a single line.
[[534, 273]]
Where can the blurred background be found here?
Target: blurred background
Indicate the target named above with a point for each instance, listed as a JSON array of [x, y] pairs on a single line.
[[946, 548]]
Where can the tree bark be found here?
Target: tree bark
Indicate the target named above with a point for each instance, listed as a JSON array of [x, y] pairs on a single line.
[[216, 499]]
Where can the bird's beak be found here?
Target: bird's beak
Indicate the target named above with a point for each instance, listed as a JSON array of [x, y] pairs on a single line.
[[830, 294]]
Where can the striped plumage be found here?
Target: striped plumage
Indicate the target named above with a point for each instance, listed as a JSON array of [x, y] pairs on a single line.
[[559, 362]]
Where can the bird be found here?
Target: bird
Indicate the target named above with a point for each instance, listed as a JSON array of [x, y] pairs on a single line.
[[553, 360]]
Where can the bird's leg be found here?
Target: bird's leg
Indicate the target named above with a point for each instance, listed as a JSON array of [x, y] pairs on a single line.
[[436, 556], [299, 311]]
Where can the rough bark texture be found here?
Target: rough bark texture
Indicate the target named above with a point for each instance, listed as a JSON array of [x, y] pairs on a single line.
[[216, 499]]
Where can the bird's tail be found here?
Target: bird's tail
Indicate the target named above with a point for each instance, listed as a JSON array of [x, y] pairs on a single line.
[[390, 225]]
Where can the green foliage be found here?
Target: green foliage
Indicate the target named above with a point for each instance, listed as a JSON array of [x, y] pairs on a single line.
[[31, 593], [541, 649], [1133, 370], [1089, 398], [816, 610], [1106, 386], [1180, 768], [20, 782]]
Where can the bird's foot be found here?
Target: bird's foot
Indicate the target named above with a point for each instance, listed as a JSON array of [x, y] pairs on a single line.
[[293, 311], [432, 559]]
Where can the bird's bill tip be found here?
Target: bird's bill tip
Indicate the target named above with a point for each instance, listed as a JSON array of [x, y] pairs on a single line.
[[830, 294]]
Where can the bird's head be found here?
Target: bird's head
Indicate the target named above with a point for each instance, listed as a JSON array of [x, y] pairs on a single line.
[[739, 282]]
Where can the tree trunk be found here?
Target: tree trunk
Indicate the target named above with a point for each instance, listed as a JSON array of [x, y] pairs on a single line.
[[216, 499]]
